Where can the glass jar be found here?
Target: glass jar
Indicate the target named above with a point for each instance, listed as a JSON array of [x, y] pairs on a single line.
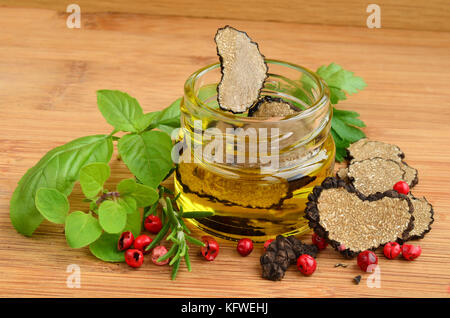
[[254, 173]]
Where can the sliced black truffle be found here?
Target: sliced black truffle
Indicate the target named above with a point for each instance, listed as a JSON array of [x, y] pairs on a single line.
[[366, 149], [204, 183], [268, 107], [342, 174], [423, 218], [376, 175], [243, 70], [282, 253], [352, 222]]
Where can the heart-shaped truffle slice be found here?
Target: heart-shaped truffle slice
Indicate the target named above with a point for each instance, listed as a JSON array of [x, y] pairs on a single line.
[[352, 222]]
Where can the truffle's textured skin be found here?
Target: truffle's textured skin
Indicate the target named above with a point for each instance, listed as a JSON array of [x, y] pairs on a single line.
[[282, 253], [262, 108], [424, 228], [411, 175], [366, 149], [375, 175], [235, 102], [342, 174], [312, 212]]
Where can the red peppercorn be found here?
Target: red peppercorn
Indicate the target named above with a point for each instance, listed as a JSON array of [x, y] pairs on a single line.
[[141, 242], [367, 258], [157, 253], [411, 252], [153, 224], [245, 246], [392, 250], [134, 257], [306, 264], [401, 187], [125, 241], [211, 248], [267, 243], [319, 241]]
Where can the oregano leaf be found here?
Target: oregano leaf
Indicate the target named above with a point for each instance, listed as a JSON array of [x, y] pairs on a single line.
[[105, 248], [128, 203], [92, 178], [52, 204], [112, 217], [126, 186], [145, 195], [81, 229]]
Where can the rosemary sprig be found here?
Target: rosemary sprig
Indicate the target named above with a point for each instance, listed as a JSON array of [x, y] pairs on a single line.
[[178, 234]]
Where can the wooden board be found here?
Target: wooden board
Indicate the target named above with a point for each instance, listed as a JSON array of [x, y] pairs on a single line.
[[48, 78], [431, 15]]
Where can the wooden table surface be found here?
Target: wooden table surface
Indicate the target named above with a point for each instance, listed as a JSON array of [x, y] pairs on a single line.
[[48, 78]]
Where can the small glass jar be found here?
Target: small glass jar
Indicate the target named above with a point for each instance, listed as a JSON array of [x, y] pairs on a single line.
[[254, 173]]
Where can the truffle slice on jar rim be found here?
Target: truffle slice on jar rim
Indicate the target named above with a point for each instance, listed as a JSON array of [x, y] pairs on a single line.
[[367, 149], [375, 175], [352, 222], [244, 70], [423, 218], [268, 107]]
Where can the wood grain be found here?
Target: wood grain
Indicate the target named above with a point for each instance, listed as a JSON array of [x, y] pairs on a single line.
[[48, 78], [424, 15]]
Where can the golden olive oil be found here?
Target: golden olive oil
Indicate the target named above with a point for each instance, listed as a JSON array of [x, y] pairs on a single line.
[[252, 205]]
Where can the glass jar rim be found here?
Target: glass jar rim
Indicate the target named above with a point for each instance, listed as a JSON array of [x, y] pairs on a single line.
[[320, 102]]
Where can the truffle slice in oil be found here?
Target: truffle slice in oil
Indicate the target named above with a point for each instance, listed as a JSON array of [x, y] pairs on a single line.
[[352, 222], [268, 107], [243, 70]]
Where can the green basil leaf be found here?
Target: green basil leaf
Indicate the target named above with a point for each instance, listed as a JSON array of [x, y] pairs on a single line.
[[52, 204], [92, 178], [58, 169], [81, 229], [120, 110], [145, 195], [128, 203], [147, 155], [112, 217], [165, 120], [126, 186], [105, 248]]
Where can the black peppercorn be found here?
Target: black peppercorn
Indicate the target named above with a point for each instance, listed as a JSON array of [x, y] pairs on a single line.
[[281, 253]]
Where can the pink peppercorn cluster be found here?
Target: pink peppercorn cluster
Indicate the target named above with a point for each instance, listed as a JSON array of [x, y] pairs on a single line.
[[135, 248], [391, 250], [409, 252]]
